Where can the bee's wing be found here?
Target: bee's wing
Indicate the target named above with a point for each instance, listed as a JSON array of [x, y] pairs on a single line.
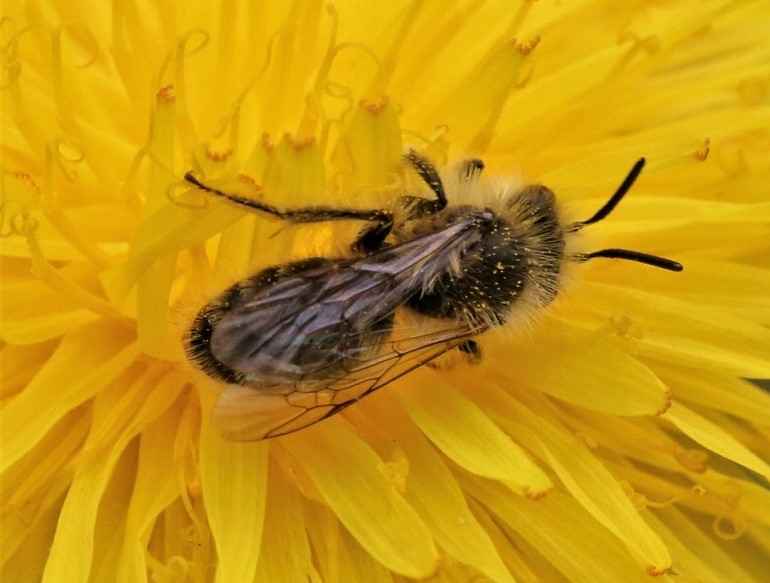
[[302, 326], [249, 414], [308, 340]]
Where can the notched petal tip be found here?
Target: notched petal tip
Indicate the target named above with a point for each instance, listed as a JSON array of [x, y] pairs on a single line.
[[218, 155], [374, 106], [666, 404], [536, 495], [654, 571], [526, 47], [166, 94], [299, 142], [702, 154]]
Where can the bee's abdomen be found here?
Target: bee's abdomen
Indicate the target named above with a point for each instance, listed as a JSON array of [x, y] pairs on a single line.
[[197, 343]]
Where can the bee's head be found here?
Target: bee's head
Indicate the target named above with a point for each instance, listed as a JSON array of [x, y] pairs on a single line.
[[536, 204]]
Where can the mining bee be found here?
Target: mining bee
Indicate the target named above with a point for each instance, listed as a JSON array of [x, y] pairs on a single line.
[[297, 343]]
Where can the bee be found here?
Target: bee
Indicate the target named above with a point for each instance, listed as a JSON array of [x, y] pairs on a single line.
[[299, 342]]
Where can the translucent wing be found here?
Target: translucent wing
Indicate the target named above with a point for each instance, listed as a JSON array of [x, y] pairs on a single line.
[[303, 326], [313, 342], [253, 413]]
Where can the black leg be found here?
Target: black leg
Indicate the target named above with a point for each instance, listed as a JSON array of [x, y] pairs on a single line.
[[428, 173], [312, 214]]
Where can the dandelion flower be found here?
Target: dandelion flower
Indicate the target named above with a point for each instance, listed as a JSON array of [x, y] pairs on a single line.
[[619, 438]]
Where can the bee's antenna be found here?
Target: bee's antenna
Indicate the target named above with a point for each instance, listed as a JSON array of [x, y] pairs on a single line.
[[610, 205], [627, 254], [630, 255]]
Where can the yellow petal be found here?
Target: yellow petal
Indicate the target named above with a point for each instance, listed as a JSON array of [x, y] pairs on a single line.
[[235, 515], [755, 504], [20, 363], [371, 152], [735, 396], [724, 287], [72, 549], [337, 554], [561, 361], [468, 437], [735, 505], [165, 233], [78, 374], [360, 496], [155, 488], [284, 555], [590, 483], [713, 437], [428, 484], [358, 564], [545, 93], [103, 242], [472, 116], [28, 561], [701, 236], [34, 488], [580, 548], [295, 172], [673, 330], [594, 487], [699, 557], [522, 569], [638, 439], [23, 322]]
